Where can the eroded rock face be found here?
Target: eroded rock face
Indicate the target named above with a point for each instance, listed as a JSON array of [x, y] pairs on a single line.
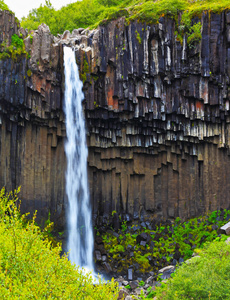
[[8, 26], [32, 127], [157, 118]]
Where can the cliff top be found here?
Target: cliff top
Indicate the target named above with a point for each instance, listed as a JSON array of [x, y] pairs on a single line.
[[91, 13]]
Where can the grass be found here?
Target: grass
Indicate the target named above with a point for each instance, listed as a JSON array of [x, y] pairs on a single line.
[[91, 13], [204, 277]]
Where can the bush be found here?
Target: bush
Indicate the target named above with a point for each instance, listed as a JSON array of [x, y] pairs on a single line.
[[91, 13], [3, 6], [17, 42], [204, 277], [31, 269], [15, 50]]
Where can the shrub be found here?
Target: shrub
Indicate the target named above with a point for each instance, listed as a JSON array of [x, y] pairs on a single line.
[[195, 34], [3, 6], [31, 269], [17, 42], [15, 50], [204, 277]]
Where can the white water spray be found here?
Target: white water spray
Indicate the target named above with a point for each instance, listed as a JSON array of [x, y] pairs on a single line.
[[80, 233]]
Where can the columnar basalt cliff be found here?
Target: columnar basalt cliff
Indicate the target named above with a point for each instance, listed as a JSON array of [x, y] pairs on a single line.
[[32, 126], [157, 116]]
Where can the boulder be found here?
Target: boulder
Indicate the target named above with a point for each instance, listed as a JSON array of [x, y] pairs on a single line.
[[226, 228]]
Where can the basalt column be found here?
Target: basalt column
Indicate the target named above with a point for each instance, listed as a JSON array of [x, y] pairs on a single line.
[[32, 128], [157, 115]]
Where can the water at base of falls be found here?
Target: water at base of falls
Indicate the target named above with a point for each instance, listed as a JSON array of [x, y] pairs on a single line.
[[80, 232]]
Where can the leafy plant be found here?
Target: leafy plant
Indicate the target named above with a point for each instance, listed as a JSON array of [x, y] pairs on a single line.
[[3, 6], [17, 42], [195, 34], [124, 226], [15, 50], [204, 277], [30, 268], [141, 283]]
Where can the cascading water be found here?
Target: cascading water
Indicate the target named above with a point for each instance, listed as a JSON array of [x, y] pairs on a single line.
[[80, 233]]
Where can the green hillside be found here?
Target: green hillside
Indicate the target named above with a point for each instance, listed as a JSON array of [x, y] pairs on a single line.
[[91, 13]]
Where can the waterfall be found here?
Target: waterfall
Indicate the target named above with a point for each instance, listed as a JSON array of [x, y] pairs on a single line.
[[80, 233]]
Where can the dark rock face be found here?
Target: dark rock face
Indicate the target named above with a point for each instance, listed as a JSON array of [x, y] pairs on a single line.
[[32, 127], [8, 26], [157, 118]]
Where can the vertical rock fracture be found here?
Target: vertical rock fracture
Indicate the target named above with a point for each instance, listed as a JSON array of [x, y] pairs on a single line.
[[80, 235]]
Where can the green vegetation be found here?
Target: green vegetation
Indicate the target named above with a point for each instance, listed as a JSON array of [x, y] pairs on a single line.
[[138, 36], [203, 277], [84, 70], [29, 73], [91, 13], [162, 242], [15, 50], [3, 6], [30, 268], [195, 34]]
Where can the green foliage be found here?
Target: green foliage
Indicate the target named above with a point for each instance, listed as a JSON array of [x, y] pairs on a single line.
[[204, 277], [164, 240], [124, 226], [138, 36], [14, 51], [4, 55], [31, 269], [3, 6], [17, 42], [84, 70], [91, 13], [195, 34], [141, 283], [29, 73]]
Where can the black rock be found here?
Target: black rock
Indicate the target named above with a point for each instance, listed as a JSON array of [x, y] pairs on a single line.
[[143, 237], [116, 222], [227, 217], [177, 254], [181, 260], [174, 262], [215, 227], [131, 254], [107, 267], [133, 284], [143, 224], [143, 243]]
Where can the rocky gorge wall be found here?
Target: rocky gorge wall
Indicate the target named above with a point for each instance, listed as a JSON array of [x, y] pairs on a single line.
[[32, 124], [157, 114]]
